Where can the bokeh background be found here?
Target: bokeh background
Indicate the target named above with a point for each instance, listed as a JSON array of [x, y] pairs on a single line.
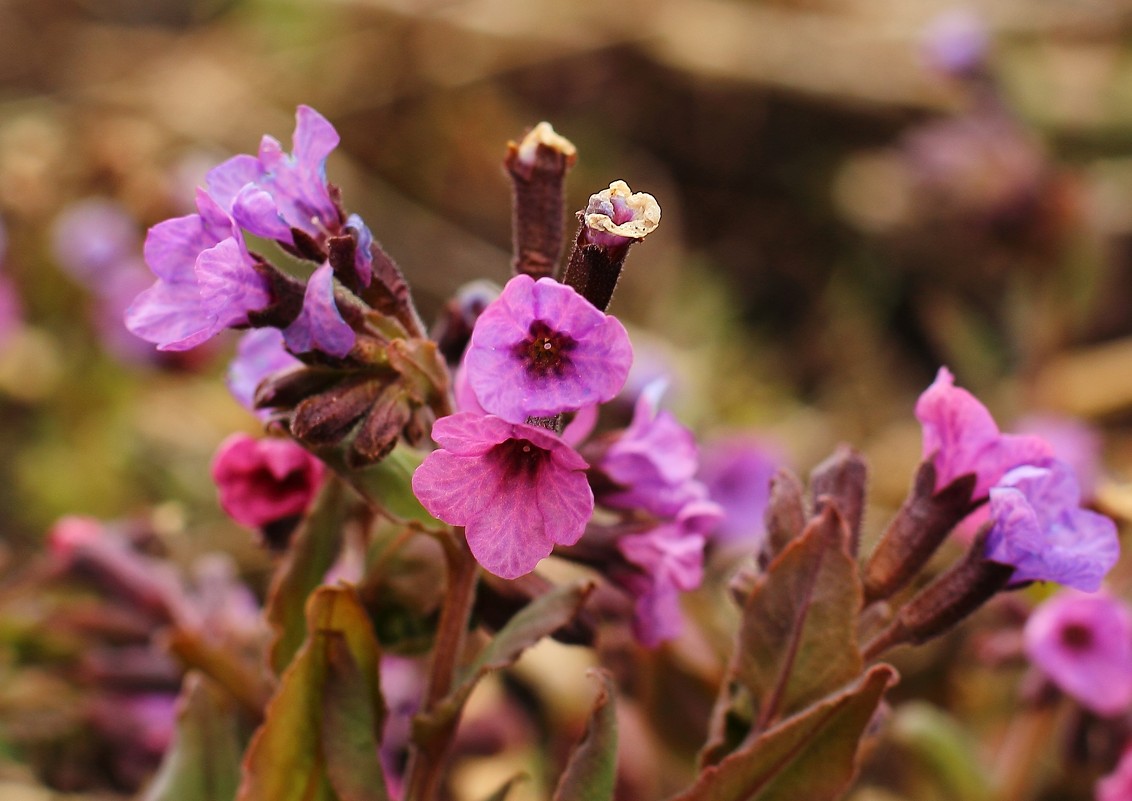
[[842, 213]]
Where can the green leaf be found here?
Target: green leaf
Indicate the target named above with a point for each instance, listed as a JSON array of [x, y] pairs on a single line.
[[203, 762], [538, 619], [798, 638], [944, 749], [591, 773], [313, 551], [353, 714], [389, 486], [315, 742], [810, 756]]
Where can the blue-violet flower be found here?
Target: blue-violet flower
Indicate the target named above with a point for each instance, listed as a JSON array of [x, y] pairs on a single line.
[[1040, 529]]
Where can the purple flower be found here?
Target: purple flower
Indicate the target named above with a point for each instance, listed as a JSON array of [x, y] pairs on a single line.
[[518, 490], [1040, 529], [276, 191], [262, 481], [961, 437], [93, 239], [1083, 643], [541, 349], [956, 42], [320, 325], [737, 473], [1117, 786], [259, 354], [363, 254], [654, 461], [671, 559], [1073, 441], [206, 280]]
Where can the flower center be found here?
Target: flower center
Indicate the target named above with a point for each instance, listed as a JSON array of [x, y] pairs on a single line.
[[1077, 637], [545, 351], [518, 458]]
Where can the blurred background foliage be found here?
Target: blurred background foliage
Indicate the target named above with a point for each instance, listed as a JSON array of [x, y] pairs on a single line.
[[839, 218]]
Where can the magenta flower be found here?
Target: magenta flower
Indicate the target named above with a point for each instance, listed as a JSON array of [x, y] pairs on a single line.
[[1083, 643], [320, 325], [276, 191], [737, 473], [541, 349], [518, 490], [262, 481], [259, 354], [206, 280], [654, 461], [671, 559], [1040, 529], [1117, 786], [961, 437]]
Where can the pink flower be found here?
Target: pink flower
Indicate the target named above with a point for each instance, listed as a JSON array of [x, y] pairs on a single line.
[[541, 349], [671, 560], [261, 481], [518, 490], [654, 461], [961, 437], [1083, 643]]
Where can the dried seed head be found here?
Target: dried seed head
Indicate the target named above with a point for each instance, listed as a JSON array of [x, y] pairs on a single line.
[[617, 214]]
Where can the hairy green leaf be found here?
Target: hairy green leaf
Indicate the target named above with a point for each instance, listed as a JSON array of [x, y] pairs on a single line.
[[319, 738], [591, 773], [313, 550], [203, 762], [798, 638], [810, 756]]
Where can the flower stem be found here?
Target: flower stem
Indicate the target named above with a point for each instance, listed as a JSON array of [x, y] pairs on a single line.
[[426, 764]]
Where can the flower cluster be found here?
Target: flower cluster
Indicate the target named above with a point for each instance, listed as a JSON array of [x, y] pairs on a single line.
[[208, 280], [1037, 525], [507, 469]]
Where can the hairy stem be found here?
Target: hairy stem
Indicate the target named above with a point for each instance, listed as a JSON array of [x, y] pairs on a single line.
[[426, 764]]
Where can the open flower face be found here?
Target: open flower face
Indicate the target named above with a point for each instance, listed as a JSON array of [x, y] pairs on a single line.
[[518, 490], [1083, 643], [542, 349]]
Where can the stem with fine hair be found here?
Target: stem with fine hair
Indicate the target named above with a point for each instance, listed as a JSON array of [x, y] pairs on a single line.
[[426, 764]]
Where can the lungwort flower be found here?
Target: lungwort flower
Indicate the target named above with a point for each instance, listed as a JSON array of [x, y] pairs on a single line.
[[1040, 529], [518, 490], [961, 437], [670, 559], [1084, 644], [653, 463], [263, 481], [206, 280], [542, 349]]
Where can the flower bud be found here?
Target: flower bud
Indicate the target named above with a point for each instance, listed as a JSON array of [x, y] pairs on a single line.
[[537, 167]]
